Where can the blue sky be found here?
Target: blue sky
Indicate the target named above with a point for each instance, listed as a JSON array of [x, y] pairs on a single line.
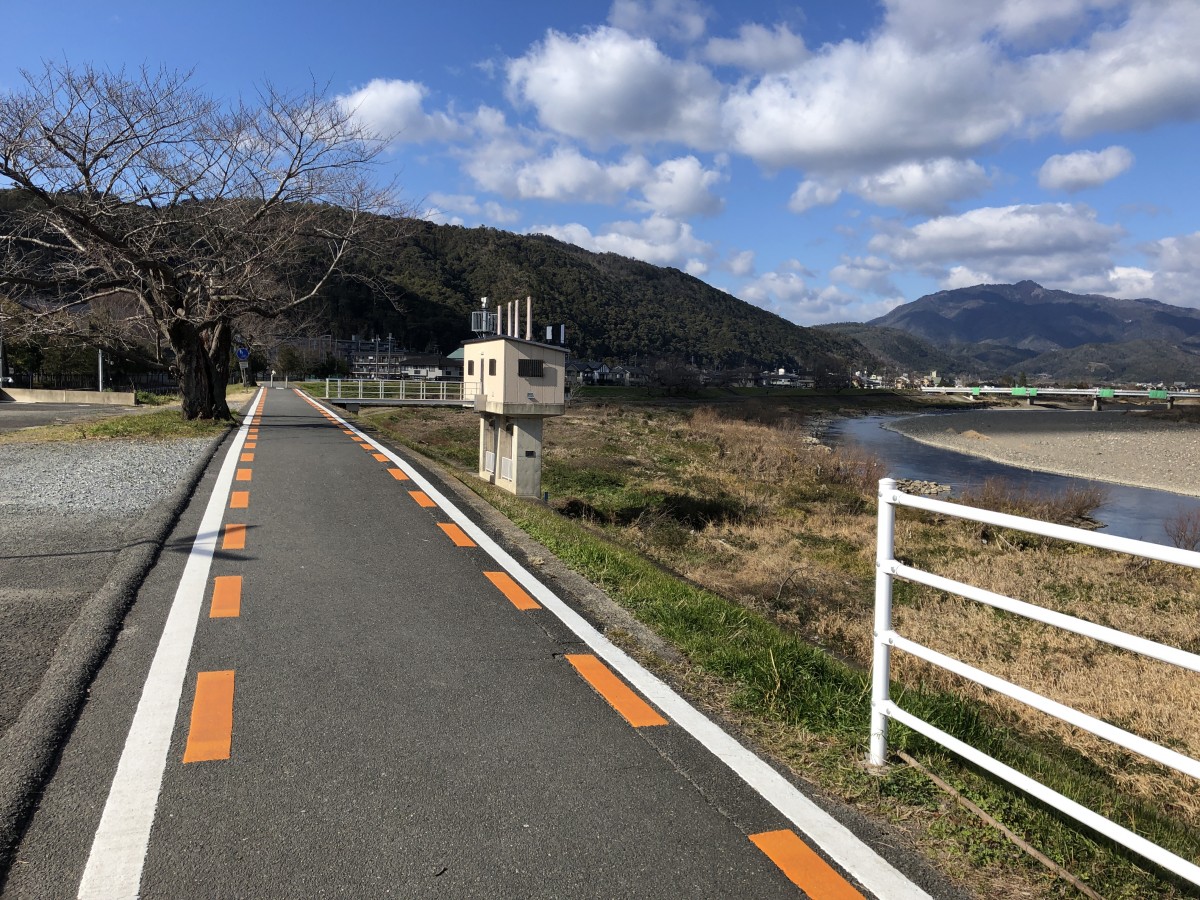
[[826, 161]]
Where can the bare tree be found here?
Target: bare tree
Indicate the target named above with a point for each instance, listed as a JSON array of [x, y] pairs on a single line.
[[145, 209]]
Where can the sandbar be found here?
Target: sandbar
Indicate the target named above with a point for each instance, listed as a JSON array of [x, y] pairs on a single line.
[[1120, 446]]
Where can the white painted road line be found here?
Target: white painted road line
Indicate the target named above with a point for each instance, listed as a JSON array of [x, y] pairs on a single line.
[[114, 866], [870, 869]]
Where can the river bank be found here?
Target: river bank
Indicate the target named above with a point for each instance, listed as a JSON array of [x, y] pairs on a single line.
[[1122, 447]]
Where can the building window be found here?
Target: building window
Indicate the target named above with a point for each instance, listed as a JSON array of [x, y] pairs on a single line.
[[531, 368], [470, 367], [491, 367]]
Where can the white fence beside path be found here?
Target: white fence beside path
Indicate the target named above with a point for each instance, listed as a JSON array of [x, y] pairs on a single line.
[[398, 391], [883, 709]]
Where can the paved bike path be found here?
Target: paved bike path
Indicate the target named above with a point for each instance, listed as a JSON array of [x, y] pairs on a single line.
[[376, 702]]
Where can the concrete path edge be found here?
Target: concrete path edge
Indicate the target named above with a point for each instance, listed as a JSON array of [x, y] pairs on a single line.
[[29, 749]]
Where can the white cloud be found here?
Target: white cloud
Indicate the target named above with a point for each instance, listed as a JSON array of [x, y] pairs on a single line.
[[758, 49], [1177, 270], [742, 264], [787, 294], [1143, 73], [682, 187], [1001, 232], [606, 87], [925, 186], [870, 273], [964, 276], [811, 193], [394, 109], [487, 211], [568, 175], [657, 239], [680, 20], [875, 104], [929, 22], [1085, 169], [1133, 281], [1052, 243]]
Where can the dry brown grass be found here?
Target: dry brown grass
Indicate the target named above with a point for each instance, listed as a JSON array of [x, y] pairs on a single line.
[[803, 550]]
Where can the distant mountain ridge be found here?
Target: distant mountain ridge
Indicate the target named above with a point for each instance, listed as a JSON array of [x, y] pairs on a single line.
[[1030, 317], [990, 330]]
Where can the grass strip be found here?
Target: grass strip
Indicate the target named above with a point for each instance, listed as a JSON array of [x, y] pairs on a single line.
[[163, 424]]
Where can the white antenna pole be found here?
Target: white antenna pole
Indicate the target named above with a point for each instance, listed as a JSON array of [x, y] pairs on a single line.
[[517, 319], [528, 318]]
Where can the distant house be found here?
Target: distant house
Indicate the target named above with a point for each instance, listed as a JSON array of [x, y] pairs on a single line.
[[784, 378], [581, 371], [629, 376], [414, 366]]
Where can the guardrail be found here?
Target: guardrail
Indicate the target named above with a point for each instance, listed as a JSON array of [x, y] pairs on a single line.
[[400, 391], [1094, 394], [883, 708]]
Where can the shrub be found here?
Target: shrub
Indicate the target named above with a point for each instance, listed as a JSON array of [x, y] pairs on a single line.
[[1074, 503], [1183, 528]]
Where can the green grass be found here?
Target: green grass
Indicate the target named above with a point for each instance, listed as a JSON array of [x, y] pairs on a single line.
[[163, 424]]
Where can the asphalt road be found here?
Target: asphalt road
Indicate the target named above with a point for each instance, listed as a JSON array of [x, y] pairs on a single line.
[[363, 710], [15, 416]]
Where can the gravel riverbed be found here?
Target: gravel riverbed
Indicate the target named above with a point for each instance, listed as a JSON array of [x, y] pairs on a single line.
[[1122, 447]]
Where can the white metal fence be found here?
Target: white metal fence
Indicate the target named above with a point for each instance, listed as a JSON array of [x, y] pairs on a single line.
[[883, 709], [401, 390]]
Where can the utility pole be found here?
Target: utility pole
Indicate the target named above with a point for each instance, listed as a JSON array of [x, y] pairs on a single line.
[[100, 372]]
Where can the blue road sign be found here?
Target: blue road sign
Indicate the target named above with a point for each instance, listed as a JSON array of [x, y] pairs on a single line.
[[243, 354]]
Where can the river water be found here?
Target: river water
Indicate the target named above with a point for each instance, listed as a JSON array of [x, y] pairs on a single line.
[[1128, 511]]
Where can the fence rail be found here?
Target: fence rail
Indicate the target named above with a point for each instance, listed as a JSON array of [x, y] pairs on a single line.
[[400, 391], [884, 709]]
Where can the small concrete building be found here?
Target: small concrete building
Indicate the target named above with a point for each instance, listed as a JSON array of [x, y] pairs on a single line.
[[519, 383]]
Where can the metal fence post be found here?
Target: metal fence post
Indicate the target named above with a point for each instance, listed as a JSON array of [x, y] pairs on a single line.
[[881, 669]]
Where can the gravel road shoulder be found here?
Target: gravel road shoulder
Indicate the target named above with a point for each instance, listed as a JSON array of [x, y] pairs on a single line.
[[80, 525]]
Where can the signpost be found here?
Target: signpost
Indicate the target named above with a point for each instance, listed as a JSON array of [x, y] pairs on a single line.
[[243, 356]]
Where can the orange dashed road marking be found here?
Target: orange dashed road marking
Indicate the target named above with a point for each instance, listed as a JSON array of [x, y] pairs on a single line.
[[246, 457], [368, 448], [398, 474], [803, 867], [239, 499], [211, 733], [244, 474], [357, 439], [347, 431], [379, 457], [235, 537], [456, 534], [226, 598], [422, 498], [620, 696], [513, 591]]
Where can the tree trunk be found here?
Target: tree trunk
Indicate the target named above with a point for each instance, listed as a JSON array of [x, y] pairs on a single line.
[[202, 399], [218, 344]]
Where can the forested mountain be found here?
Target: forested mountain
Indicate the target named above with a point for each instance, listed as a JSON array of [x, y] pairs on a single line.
[[1030, 317], [420, 283], [990, 330], [612, 306]]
